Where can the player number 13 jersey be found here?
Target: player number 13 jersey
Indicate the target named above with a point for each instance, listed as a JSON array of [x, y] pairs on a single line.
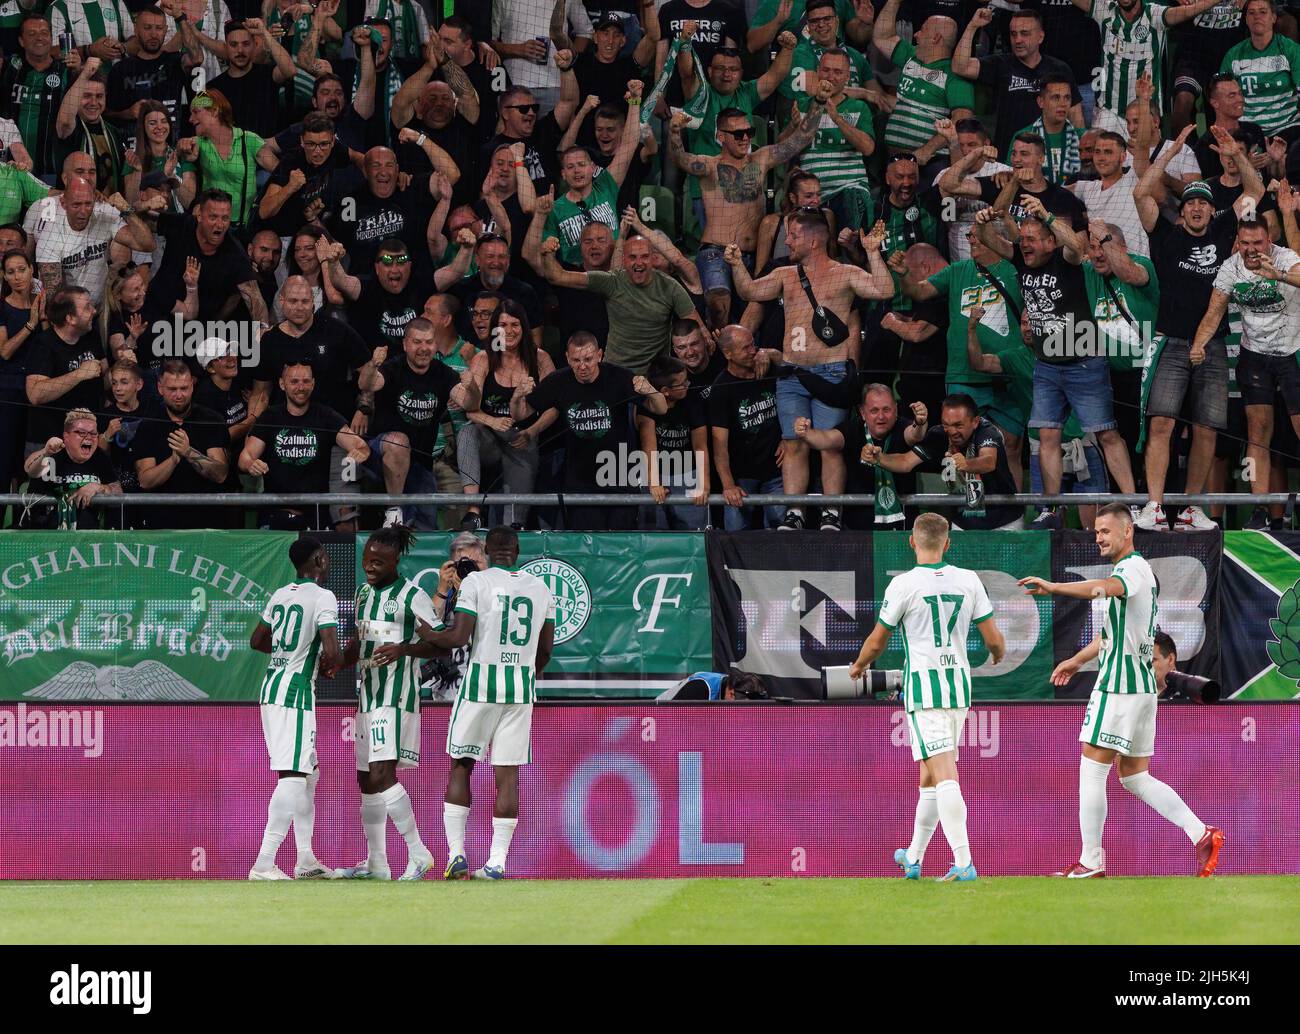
[[509, 608]]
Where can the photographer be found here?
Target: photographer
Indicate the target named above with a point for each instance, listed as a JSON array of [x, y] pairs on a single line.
[[1172, 684], [714, 685], [442, 675]]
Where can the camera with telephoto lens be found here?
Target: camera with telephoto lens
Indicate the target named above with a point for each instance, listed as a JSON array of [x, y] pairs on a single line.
[[465, 567], [1181, 686], [881, 685]]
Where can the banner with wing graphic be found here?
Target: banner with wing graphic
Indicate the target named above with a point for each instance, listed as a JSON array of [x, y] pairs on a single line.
[[135, 616]]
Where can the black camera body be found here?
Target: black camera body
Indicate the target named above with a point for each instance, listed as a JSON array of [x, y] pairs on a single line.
[[465, 567], [1181, 686]]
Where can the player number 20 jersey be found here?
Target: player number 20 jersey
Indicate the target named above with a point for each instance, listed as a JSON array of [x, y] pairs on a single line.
[[296, 614], [509, 607], [935, 605], [1129, 630]]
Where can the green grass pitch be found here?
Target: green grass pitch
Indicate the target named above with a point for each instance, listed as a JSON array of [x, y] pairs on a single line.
[[1239, 909]]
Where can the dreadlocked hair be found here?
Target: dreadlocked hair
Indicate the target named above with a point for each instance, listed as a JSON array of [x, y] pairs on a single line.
[[398, 537]]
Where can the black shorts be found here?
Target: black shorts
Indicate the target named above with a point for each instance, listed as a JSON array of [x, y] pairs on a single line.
[[1230, 444], [1262, 377]]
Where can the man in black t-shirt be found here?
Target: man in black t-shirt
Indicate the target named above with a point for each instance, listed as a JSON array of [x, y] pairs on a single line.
[[225, 272], [593, 399], [378, 211], [1072, 373], [252, 87], [877, 425], [1004, 190], [676, 446], [600, 71], [413, 392], [492, 254], [296, 192], [71, 466], [65, 365], [183, 452], [1015, 77], [153, 74], [745, 431], [541, 137], [291, 447]]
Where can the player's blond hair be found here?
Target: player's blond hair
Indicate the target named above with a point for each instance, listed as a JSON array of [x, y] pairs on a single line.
[[930, 531]]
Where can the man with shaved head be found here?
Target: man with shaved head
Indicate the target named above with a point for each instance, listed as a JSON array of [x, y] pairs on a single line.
[[77, 237], [928, 89], [360, 217]]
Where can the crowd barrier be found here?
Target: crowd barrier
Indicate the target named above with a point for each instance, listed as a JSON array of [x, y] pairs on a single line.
[[171, 791]]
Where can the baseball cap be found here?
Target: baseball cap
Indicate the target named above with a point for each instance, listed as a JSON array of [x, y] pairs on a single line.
[[610, 20], [158, 179], [212, 348], [1199, 189]]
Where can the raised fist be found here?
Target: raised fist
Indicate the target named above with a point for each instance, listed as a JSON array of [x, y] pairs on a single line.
[[564, 60], [680, 119], [643, 386], [525, 387], [297, 179], [732, 255], [379, 356], [787, 40], [920, 415], [982, 16], [802, 425], [550, 246]]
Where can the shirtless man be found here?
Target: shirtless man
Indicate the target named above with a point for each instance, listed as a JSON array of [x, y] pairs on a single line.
[[814, 332], [733, 187]]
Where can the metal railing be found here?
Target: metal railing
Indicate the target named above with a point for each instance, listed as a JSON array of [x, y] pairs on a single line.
[[637, 499]]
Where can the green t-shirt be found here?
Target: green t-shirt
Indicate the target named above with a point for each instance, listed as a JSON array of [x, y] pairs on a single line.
[[915, 224], [639, 317], [1124, 330], [236, 175], [836, 163], [17, 191], [455, 361], [926, 92], [806, 56], [1269, 79], [569, 218], [968, 288]]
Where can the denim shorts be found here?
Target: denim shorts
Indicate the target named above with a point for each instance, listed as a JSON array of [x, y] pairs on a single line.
[[793, 400], [1175, 375], [1082, 386], [715, 274]]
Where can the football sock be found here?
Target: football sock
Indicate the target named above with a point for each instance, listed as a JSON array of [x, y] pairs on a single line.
[[279, 813], [1092, 811], [952, 817], [398, 805], [454, 818], [304, 820], [503, 830], [374, 816], [927, 820], [1165, 800]]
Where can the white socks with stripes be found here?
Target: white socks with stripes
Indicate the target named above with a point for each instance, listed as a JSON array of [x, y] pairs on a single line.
[[374, 816], [1092, 811], [304, 820], [279, 813], [1165, 800], [503, 831], [454, 819], [951, 808], [927, 820]]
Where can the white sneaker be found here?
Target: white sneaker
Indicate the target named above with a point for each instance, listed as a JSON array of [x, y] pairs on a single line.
[[392, 516], [315, 870], [417, 867], [1152, 517], [1193, 518], [273, 873]]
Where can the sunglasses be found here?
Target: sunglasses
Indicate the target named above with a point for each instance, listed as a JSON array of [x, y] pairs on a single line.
[[525, 109], [488, 238], [393, 260], [202, 101], [739, 134], [901, 156]]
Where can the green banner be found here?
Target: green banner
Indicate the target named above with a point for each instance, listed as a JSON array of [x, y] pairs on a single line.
[[135, 616], [632, 611], [1000, 558]]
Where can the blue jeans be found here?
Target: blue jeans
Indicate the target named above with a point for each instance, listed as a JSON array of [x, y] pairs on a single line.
[[419, 479], [793, 400], [1089, 98], [735, 518], [1082, 386]]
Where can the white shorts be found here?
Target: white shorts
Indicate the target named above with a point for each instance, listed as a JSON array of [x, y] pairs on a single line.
[[935, 730], [506, 728], [385, 734], [1122, 722], [290, 736]]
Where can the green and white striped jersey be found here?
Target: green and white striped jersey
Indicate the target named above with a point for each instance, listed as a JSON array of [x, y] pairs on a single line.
[[935, 604], [296, 613], [1268, 79], [388, 615], [836, 163], [1130, 50], [1129, 631], [509, 607], [925, 93]]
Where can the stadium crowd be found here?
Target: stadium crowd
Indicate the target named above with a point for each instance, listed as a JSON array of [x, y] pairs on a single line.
[[729, 246]]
